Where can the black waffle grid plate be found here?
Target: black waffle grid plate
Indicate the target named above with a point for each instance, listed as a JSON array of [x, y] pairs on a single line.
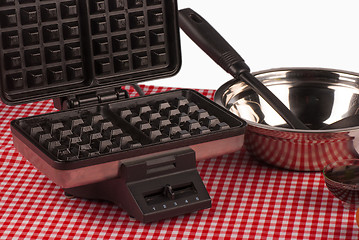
[[128, 128], [51, 48]]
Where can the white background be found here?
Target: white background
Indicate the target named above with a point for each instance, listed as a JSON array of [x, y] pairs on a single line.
[[270, 34]]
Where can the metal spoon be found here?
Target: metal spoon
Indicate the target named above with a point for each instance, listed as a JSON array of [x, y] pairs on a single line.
[[211, 42]]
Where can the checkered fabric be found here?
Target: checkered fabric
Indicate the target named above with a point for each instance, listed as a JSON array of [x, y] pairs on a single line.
[[251, 200]]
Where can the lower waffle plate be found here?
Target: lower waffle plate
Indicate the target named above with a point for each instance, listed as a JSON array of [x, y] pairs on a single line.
[[80, 146]]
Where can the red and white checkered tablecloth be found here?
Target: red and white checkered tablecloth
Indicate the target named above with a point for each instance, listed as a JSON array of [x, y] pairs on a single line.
[[250, 201]]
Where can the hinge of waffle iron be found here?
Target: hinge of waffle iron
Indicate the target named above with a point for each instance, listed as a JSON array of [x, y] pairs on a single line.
[[90, 98]]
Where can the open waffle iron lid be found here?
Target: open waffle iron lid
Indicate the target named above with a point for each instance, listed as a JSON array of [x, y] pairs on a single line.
[[54, 48]]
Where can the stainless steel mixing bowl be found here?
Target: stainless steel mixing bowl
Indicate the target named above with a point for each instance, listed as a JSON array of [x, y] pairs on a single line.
[[318, 97]]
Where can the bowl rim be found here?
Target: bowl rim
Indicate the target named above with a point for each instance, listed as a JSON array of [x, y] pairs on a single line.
[[220, 91]]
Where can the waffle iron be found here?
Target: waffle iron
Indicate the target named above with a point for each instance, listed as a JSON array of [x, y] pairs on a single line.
[[139, 153]]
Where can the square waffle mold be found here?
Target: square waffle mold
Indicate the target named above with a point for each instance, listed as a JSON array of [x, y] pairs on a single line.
[[127, 128], [52, 48]]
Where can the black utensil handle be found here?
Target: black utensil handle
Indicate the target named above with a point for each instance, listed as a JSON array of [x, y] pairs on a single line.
[[216, 47], [347, 122], [211, 42], [272, 100]]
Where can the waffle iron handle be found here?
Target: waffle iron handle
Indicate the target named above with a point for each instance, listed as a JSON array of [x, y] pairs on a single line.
[[216, 47]]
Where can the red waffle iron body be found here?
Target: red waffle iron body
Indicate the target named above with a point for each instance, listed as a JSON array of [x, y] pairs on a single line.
[[139, 153]]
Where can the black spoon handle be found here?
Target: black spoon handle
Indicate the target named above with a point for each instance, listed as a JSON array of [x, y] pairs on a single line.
[[216, 47], [347, 122]]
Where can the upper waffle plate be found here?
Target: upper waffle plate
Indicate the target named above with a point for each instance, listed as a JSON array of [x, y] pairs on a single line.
[[55, 48]]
